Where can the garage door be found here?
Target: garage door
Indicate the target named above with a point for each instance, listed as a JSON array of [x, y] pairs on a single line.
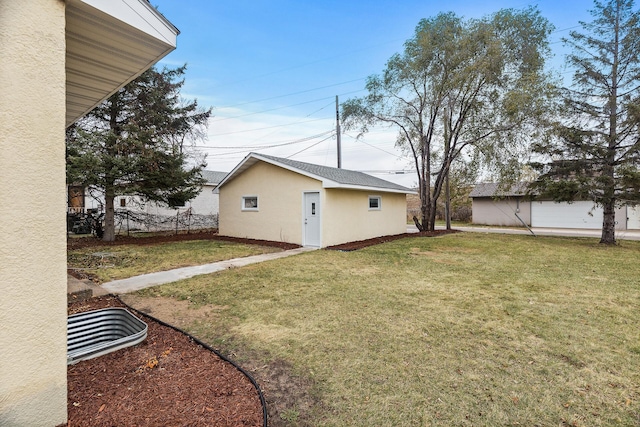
[[566, 215]]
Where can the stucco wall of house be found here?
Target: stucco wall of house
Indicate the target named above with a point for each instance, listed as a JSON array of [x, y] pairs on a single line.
[[347, 217], [279, 214], [502, 212], [33, 372]]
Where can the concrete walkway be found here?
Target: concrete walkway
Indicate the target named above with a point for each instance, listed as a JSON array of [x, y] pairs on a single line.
[[153, 279]]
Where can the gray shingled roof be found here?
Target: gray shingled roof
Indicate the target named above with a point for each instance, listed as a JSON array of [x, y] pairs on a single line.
[[213, 177], [341, 176], [492, 189]]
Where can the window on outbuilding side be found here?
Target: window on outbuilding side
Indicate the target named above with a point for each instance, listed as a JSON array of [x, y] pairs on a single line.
[[249, 203], [375, 203]]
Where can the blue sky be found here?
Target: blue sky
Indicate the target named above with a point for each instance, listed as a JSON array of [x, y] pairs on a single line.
[[271, 70]]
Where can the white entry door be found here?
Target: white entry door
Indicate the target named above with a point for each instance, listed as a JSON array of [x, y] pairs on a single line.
[[311, 219]]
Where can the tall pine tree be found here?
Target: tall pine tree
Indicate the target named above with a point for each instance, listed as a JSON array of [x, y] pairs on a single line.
[[595, 152], [137, 143]]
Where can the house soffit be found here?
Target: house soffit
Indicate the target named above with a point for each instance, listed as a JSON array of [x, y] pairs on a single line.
[[108, 45]]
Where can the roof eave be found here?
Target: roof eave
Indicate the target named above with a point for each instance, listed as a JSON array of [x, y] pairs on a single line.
[[253, 158], [108, 45], [332, 184]]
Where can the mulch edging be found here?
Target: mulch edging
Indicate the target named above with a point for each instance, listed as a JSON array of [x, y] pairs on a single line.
[[352, 246], [168, 379], [87, 242]]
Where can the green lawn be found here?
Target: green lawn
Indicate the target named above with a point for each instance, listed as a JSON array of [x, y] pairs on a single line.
[[465, 329], [118, 262]]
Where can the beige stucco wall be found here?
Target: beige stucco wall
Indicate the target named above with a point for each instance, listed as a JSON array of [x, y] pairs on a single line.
[[32, 214], [347, 218], [502, 212], [279, 214]]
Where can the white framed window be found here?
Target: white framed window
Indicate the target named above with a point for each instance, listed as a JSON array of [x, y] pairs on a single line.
[[249, 203], [375, 203]]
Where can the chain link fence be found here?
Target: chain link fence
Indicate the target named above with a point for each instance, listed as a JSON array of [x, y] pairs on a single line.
[[127, 221]]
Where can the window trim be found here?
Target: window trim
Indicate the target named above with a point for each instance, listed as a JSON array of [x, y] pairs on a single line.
[[379, 199], [250, 209]]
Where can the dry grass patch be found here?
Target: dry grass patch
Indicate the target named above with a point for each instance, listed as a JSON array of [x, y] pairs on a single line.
[[511, 330]]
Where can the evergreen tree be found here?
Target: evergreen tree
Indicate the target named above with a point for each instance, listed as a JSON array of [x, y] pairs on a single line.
[[595, 152], [137, 143]]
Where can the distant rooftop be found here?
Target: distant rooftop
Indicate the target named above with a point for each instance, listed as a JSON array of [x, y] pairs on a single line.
[[493, 189], [213, 177]]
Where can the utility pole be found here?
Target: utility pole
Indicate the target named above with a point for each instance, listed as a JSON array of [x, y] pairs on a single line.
[[338, 133]]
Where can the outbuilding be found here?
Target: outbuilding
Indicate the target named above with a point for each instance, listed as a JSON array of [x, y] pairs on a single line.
[[493, 205], [278, 199]]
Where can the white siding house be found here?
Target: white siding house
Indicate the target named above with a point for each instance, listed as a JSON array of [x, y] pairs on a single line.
[[202, 210]]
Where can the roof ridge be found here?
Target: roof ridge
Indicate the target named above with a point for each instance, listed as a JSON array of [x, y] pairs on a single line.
[[338, 175]]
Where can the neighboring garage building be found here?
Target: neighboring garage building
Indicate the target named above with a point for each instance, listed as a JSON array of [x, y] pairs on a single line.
[[272, 198], [511, 207]]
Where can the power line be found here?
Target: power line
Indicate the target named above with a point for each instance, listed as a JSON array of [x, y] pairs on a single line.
[[311, 146], [309, 63], [281, 108], [317, 88], [274, 145], [566, 29], [293, 93], [378, 148], [390, 171], [270, 127]]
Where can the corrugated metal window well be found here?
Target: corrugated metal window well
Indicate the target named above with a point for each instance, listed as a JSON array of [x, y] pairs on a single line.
[[94, 333]]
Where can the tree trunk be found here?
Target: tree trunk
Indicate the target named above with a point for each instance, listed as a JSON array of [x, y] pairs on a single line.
[[609, 206], [109, 215], [609, 224], [447, 149], [447, 202], [421, 222], [432, 213], [423, 187]]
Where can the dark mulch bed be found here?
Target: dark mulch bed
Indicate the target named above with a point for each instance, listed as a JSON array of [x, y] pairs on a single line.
[[352, 246], [85, 242], [167, 380]]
